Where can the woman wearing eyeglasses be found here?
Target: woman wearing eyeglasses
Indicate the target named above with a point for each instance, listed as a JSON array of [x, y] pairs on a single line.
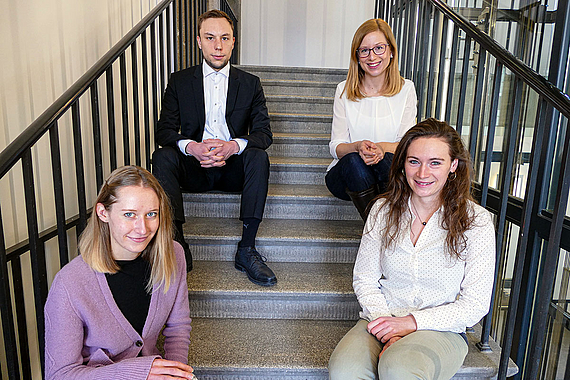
[[373, 108]]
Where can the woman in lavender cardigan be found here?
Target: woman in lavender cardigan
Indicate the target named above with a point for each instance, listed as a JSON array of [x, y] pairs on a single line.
[[106, 308]]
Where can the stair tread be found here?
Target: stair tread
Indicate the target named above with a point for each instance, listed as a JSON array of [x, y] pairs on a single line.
[[301, 115], [311, 280], [300, 98], [300, 161], [236, 345], [263, 343], [298, 82], [275, 190], [284, 135], [299, 230]]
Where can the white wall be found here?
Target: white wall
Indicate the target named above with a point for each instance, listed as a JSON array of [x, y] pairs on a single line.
[[46, 45], [311, 33]]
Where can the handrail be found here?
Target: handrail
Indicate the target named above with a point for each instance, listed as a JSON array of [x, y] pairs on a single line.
[[10, 155], [537, 82]]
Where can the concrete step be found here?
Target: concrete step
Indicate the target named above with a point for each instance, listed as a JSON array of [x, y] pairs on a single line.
[[298, 170], [317, 74], [320, 291], [270, 349], [299, 123], [300, 145], [280, 240], [300, 104], [283, 202], [298, 87]]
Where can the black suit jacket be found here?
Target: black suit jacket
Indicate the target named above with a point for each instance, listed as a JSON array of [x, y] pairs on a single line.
[[183, 115]]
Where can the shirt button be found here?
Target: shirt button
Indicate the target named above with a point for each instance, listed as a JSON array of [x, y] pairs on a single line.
[[139, 343]]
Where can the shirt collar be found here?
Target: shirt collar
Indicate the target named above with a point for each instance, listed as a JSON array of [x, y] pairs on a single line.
[[207, 70]]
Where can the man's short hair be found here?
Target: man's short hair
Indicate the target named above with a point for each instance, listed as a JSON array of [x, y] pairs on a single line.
[[214, 13]]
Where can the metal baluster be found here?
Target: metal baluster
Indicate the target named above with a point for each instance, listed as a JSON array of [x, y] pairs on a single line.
[[463, 86], [146, 112], [451, 81], [136, 116], [161, 52], [20, 308], [6, 312], [441, 74], [153, 73], [170, 24], [527, 244], [96, 117], [483, 344], [423, 46], [37, 253], [79, 167], [111, 117], [432, 61], [58, 194], [125, 110], [550, 258]]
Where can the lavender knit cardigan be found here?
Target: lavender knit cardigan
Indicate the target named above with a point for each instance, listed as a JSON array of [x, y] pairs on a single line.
[[87, 336]]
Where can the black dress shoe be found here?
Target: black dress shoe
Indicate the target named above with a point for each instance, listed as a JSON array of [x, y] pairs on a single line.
[[248, 260]]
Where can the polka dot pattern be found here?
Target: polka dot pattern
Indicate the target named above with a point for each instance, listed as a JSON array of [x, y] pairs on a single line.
[[442, 293]]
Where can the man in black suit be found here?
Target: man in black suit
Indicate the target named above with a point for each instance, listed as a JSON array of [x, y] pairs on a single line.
[[214, 129]]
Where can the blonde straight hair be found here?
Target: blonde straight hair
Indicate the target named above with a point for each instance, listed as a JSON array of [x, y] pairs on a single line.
[[95, 241], [394, 81]]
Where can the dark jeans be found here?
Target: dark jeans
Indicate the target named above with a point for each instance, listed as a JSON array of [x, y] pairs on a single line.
[[247, 173], [353, 174]]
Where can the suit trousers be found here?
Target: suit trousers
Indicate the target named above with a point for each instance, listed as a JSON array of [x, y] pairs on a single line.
[[423, 354], [247, 173]]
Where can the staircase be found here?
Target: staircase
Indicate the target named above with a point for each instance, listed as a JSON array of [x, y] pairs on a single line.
[[288, 331]]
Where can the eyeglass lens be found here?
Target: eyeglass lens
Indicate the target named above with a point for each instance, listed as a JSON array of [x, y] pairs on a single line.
[[378, 50]]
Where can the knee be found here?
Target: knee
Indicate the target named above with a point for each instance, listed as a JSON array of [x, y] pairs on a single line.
[[416, 365], [343, 367], [352, 159], [257, 160], [163, 158], [256, 155]]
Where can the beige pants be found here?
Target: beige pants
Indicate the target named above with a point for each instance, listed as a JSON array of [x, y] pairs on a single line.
[[424, 354]]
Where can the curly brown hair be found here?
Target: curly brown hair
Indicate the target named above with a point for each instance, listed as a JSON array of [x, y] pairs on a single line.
[[455, 194]]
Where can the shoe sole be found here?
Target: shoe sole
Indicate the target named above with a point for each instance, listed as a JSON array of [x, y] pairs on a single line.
[[257, 282]]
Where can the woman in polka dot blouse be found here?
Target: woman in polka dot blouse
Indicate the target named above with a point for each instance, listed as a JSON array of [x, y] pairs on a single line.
[[425, 266]]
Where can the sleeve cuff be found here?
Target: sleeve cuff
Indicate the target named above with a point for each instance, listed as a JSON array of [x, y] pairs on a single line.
[[242, 144], [182, 146]]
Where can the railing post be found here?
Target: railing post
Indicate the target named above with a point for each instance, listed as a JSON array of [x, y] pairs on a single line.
[[37, 253], [6, 312]]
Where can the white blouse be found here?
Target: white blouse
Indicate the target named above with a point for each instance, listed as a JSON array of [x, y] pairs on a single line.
[[376, 118], [442, 293]]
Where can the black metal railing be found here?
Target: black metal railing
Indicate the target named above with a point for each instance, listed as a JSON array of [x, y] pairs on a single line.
[[186, 30], [224, 6], [102, 140], [495, 100]]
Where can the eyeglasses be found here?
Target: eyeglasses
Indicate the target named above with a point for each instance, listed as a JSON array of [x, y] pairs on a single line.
[[378, 50]]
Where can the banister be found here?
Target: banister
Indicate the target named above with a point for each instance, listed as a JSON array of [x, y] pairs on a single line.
[[25, 140], [541, 85]]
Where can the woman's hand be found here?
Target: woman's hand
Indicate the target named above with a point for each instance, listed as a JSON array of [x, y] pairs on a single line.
[[169, 369], [385, 328], [388, 344], [370, 152]]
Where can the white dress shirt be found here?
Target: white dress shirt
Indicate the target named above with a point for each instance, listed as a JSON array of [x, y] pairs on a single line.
[[215, 98], [375, 118], [442, 293]]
